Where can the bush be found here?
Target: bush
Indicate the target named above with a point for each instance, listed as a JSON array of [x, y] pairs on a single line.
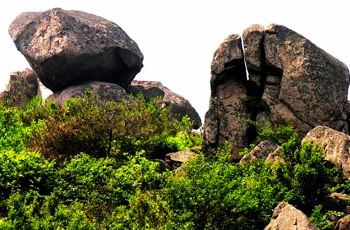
[[13, 131], [107, 129], [106, 178], [25, 171]]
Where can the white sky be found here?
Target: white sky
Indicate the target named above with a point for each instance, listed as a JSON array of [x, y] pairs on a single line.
[[178, 38]]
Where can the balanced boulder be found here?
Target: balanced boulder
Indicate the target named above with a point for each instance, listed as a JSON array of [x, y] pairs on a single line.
[[22, 87], [66, 47], [178, 105], [103, 90]]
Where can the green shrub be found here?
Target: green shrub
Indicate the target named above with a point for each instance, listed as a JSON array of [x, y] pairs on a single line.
[[13, 131], [34, 211], [107, 180], [107, 129], [25, 171], [325, 219]]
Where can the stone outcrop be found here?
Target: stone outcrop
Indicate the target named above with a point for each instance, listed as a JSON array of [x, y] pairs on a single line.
[[290, 81], [343, 223], [313, 84], [66, 47], [179, 106], [22, 87], [262, 151], [225, 119], [287, 217], [105, 91], [335, 144]]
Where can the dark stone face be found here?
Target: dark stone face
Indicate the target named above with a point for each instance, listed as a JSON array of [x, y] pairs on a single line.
[[66, 47]]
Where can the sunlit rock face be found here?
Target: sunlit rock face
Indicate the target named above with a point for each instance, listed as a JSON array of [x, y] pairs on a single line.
[[290, 81]]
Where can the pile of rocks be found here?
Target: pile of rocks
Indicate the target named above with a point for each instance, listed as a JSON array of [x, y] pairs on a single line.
[[70, 51]]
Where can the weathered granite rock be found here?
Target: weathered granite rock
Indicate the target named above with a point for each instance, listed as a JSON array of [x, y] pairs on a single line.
[[335, 144], [287, 217], [261, 151], [290, 81], [313, 85], [22, 87], [343, 223], [66, 47], [253, 46], [104, 91], [179, 157], [179, 106], [275, 156], [225, 119]]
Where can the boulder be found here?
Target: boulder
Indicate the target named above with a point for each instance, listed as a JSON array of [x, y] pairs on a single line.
[[179, 157], [290, 81], [313, 85], [261, 151], [335, 144], [275, 156], [22, 87], [179, 106], [225, 121], [66, 47], [104, 91], [287, 217], [343, 223]]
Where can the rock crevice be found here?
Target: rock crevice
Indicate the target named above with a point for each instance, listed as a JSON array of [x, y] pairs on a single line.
[[290, 81]]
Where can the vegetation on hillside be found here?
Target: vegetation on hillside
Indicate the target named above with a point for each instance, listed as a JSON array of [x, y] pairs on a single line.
[[84, 165]]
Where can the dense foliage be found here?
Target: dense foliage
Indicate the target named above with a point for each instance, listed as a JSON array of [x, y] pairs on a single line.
[[86, 165]]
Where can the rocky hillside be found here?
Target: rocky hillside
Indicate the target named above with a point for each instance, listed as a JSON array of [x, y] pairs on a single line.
[[108, 152]]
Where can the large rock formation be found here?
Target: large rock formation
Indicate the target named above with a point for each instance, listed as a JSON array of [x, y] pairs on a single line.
[[335, 144], [22, 87], [291, 81], [179, 106], [225, 119], [104, 91], [313, 85], [287, 217], [67, 47]]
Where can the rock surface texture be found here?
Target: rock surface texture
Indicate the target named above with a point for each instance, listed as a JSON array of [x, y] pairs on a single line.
[[225, 119], [261, 151], [179, 157], [335, 144], [66, 47], [22, 87], [179, 106], [105, 91], [287, 217], [290, 81], [343, 223]]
